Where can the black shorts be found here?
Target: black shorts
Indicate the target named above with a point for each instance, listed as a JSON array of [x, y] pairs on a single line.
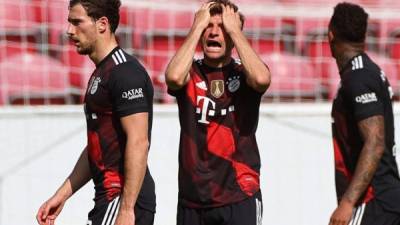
[[373, 213], [106, 213], [247, 212]]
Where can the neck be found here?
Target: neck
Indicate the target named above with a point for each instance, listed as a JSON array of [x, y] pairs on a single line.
[[346, 53], [218, 63], [103, 47]]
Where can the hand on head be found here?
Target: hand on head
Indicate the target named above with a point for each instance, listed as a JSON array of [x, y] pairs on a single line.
[[202, 16], [230, 19]]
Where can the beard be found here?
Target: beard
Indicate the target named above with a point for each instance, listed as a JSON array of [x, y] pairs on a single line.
[[85, 50]]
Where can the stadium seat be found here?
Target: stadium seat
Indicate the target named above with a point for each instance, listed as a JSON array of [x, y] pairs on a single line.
[[79, 66], [310, 30], [269, 34], [158, 50], [34, 79], [18, 21], [312, 2], [10, 48], [293, 78]]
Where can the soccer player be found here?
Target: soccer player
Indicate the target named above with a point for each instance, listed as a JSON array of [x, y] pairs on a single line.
[[118, 108], [367, 178], [218, 99]]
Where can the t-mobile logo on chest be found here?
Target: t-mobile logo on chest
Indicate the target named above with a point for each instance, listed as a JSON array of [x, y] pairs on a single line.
[[206, 107]]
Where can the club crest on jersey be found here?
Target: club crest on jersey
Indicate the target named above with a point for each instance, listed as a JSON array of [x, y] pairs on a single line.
[[233, 83], [217, 88], [95, 85]]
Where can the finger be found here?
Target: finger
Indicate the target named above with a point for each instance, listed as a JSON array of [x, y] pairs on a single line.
[[223, 9], [231, 10], [39, 216], [209, 5], [45, 211]]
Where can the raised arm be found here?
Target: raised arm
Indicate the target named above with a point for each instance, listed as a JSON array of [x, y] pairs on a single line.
[[79, 176], [135, 164], [177, 73], [373, 134], [258, 75]]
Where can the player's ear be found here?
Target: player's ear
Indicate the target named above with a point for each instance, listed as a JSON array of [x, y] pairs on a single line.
[[102, 24], [331, 36]]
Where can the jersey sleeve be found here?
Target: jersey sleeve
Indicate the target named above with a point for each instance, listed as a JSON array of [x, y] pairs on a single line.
[[182, 90], [130, 89], [177, 92], [363, 94]]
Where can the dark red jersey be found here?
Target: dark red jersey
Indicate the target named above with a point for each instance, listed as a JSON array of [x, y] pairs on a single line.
[[219, 162], [118, 87], [364, 92]]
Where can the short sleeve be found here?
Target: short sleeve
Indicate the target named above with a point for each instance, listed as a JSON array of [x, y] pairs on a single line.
[[177, 92], [363, 92], [130, 89]]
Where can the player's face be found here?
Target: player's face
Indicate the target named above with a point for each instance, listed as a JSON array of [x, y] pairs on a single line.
[[216, 43], [81, 30]]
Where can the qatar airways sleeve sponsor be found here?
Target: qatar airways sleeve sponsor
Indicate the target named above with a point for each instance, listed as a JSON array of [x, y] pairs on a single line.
[[366, 98]]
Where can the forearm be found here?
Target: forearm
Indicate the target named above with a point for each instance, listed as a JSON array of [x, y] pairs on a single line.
[[258, 75], [135, 169], [79, 176], [365, 170], [177, 72], [372, 130]]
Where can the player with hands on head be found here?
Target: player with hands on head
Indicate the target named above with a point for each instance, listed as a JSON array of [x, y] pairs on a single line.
[[218, 99]]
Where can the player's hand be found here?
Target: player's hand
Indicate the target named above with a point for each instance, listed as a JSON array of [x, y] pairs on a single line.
[[125, 217], [202, 16], [342, 215], [230, 19], [49, 211]]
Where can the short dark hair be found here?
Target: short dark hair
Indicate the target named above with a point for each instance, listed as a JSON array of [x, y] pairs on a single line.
[[349, 22], [217, 9], [99, 8]]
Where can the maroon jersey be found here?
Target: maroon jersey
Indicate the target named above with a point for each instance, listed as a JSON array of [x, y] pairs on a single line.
[[118, 87], [364, 92], [219, 162]]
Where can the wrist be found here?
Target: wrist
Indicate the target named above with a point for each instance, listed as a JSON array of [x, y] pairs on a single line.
[[62, 195], [196, 30], [126, 209], [234, 31], [346, 203]]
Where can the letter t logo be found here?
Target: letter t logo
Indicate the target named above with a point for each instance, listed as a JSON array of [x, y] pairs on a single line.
[[204, 110]]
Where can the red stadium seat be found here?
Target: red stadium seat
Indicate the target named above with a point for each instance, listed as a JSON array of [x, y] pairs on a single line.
[[159, 49], [310, 31], [312, 2], [18, 21], [293, 77], [11, 48], [34, 79], [269, 34], [80, 67]]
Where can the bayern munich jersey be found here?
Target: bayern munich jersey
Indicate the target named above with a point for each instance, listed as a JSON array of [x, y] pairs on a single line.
[[364, 92], [118, 87], [219, 161]]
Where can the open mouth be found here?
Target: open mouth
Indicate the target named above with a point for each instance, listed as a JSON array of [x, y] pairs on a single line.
[[213, 44]]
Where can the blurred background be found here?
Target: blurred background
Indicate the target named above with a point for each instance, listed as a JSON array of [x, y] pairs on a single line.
[[43, 79]]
